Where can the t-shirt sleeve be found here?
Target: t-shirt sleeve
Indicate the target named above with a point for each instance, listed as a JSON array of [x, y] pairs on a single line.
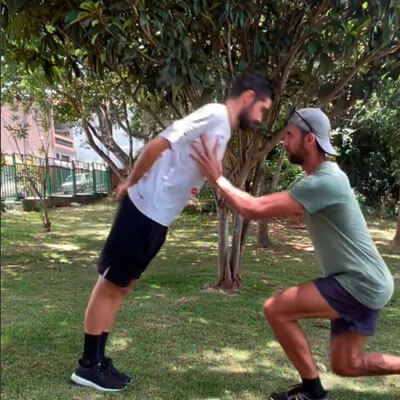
[[190, 127], [316, 192]]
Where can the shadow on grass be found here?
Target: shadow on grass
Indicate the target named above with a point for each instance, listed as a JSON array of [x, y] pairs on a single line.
[[179, 340]]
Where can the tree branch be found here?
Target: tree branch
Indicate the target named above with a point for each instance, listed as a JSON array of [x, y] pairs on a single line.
[[361, 62], [88, 128]]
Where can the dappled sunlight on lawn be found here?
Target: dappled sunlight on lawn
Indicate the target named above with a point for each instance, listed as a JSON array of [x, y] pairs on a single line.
[[358, 386], [273, 344], [236, 361], [198, 320], [177, 336], [228, 360], [119, 343], [63, 246], [382, 234]]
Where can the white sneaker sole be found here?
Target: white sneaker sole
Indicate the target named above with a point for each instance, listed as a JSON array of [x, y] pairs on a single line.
[[84, 382]]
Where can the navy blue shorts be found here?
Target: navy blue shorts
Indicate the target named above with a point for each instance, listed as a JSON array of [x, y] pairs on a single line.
[[132, 243], [355, 316]]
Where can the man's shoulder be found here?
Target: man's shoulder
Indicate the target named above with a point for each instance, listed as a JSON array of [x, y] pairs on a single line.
[[329, 171], [208, 116], [210, 110], [328, 175]]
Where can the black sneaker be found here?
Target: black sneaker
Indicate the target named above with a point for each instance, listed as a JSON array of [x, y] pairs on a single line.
[[120, 375], [297, 393], [99, 377]]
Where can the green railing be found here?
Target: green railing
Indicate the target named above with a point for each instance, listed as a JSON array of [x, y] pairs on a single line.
[[63, 177]]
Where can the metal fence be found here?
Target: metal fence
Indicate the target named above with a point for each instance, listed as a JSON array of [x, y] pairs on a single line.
[[63, 177]]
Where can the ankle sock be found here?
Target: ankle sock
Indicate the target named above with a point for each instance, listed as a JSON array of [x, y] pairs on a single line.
[[91, 350], [313, 387]]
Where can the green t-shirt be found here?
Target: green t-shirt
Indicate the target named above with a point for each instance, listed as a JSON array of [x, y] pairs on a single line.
[[340, 235]]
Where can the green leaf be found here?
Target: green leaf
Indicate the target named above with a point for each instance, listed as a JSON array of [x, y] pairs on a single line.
[[82, 16]]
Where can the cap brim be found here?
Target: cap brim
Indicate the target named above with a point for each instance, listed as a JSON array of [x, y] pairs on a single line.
[[327, 147]]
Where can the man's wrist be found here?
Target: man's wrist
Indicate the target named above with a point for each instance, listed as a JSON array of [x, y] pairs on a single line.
[[220, 182]]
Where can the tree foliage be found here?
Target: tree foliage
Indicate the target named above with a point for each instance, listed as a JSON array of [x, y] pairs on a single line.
[[168, 57], [369, 142]]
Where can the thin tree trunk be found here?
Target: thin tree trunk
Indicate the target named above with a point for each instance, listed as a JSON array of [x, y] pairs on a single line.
[[396, 239], [130, 152], [45, 213], [263, 239], [235, 259], [45, 216], [224, 272]]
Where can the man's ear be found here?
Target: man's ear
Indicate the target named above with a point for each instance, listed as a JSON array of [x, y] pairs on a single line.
[[311, 138], [248, 97]]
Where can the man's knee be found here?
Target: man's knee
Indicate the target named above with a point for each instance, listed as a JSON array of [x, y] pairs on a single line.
[[345, 366], [271, 310], [112, 290]]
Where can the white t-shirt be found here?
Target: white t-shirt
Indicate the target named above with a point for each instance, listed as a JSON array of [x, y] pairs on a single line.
[[162, 193]]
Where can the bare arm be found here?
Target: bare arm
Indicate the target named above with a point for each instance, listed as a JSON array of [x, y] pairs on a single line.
[[148, 156], [273, 205]]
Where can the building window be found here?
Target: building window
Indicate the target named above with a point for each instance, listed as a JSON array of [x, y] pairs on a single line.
[[58, 156], [64, 158], [63, 133], [64, 142]]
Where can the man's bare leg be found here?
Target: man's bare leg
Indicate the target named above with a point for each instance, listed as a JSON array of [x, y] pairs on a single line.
[[284, 310], [103, 305], [349, 359]]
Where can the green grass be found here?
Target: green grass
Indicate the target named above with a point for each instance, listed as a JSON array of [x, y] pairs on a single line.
[[177, 338]]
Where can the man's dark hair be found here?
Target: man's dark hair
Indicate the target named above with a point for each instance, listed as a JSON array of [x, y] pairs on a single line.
[[255, 81]]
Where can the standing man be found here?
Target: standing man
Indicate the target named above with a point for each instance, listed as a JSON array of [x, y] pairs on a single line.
[[356, 282], [162, 181]]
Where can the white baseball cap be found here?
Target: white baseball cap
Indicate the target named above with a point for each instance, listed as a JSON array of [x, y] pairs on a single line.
[[314, 120]]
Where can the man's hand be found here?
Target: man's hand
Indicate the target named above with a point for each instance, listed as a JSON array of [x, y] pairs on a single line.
[[207, 159], [121, 190]]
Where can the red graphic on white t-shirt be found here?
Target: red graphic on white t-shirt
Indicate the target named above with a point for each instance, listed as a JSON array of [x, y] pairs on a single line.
[[194, 191]]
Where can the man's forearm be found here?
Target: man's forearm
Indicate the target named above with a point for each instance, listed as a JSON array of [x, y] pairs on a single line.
[[149, 155], [240, 200], [278, 204], [144, 162]]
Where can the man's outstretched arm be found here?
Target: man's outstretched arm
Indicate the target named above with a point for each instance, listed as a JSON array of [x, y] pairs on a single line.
[[273, 205], [148, 156]]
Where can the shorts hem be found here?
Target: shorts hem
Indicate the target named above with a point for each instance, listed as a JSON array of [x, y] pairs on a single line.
[[118, 282], [354, 330]]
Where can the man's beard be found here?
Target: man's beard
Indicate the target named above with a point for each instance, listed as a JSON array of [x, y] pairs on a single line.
[[244, 119], [297, 159]]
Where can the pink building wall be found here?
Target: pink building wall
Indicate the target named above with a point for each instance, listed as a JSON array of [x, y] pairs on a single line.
[[32, 145]]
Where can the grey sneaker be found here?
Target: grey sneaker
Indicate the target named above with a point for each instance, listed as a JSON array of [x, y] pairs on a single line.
[[99, 376], [297, 393]]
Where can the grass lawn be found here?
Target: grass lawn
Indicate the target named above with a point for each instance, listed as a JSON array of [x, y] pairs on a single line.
[[178, 339]]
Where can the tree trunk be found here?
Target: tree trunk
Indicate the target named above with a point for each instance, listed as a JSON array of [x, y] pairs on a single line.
[[396, 239], [236, 253], [224, 271], [45, 213], [42, 205], [263, 239], [229, 257], [45, 216]]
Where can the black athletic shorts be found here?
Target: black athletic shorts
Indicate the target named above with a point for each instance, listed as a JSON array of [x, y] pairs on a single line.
[[132, 243]]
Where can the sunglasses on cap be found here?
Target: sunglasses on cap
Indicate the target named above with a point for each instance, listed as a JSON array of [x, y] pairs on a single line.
[[295, 112]]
